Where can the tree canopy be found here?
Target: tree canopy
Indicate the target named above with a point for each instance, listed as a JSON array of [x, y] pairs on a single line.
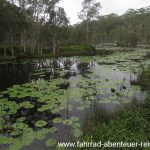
[[41, 26]]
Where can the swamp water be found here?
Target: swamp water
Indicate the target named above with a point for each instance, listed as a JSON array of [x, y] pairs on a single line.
[[46, 101]]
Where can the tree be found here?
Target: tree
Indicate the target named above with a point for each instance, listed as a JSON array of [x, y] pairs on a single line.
[[23, 37], [11, 24], [132, 39], [57, 20], [89, 12]]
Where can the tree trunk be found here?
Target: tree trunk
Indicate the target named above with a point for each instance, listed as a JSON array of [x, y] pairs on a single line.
[[38, 49], [87, 32], [41, 51], [11, 45], [93, 36], [24, 42], [5, 53], [54, 48], [58, 47], [54, 45], [21, 41], [5, 50], [12, 51]]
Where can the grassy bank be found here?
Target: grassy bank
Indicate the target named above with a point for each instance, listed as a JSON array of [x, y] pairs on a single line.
[[73, 50], [77, 50]]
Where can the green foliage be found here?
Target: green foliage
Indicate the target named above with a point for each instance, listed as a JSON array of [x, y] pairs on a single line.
[[28, 111], [129, 39], [53, 130], [132, 125], [75, 118], [144, 80], [77, 133], [57, 120], [126, 30], [68, 122], [77, 50], [40, 123], [18, 38], [17, 25], [51, 142]]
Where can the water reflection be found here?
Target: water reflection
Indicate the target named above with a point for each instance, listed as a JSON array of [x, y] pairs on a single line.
[[70, 68]]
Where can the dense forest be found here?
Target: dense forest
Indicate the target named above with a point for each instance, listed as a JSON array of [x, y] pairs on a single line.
[[30, 27]]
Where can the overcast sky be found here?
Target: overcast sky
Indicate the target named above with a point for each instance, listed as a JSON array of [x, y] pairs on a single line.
[[72, 7]]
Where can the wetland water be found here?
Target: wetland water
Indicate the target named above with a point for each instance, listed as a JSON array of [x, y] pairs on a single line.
[[46, 101]]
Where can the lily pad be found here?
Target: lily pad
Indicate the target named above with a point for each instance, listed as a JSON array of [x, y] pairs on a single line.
[[57, 120], [51, 142], [68, 122], [22, 119], [76, 125], [40, 123], [55, 110], [77, 133], [20, 126], [53, 129], [15, 133], [26, 105], [74, 119]]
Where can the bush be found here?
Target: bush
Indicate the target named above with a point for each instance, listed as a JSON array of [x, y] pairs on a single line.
[[77, 49]]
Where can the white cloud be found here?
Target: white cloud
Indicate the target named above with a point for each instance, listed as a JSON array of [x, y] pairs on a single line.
[[120, 6], [72, 7]]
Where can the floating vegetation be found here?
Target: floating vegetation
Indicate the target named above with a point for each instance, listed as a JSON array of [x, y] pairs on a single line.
[[57, 120], [77, 133], [51, 142], [68, 122], [40, 123], [53, 129], [74, 119], [60, 92], [26, 105]]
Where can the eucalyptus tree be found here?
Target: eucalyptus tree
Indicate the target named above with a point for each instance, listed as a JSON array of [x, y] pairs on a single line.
[[37, 9], [11, 25], [90, 11], [56, 20], [23, 5]]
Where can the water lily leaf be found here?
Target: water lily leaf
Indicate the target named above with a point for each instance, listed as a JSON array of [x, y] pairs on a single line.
[[40, 123], [22, 119], [68, 122], [43, 108], [16, 133], [12, 111], [74, 119], [77, 133], [57, 120], [76, 125], [51, 142], [53, 129], [40, 135], [26, 105], [20, 125], [55, 110]]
